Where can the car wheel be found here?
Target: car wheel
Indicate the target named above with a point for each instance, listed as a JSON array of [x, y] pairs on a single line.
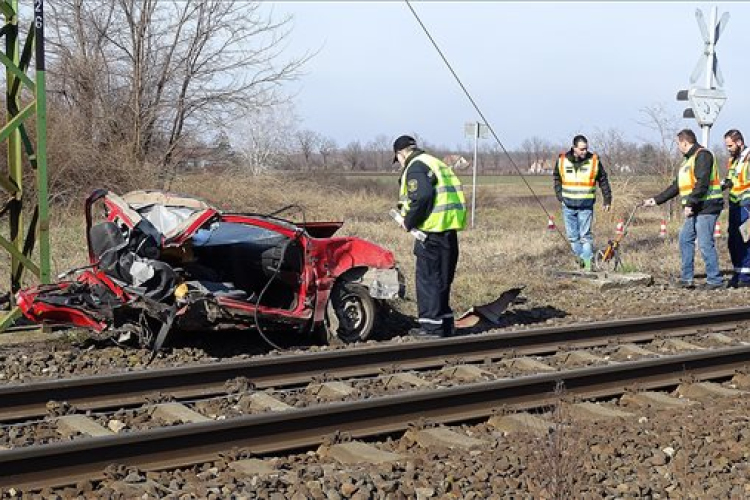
[[350, 314]]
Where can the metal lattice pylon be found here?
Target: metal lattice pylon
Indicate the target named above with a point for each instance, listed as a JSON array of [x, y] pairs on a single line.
[[24, 131]]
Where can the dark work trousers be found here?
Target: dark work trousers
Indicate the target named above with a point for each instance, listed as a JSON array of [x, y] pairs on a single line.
[[739, 250], [437, 257]]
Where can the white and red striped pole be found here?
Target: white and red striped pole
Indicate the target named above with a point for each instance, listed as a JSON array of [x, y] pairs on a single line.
[[620, 229]]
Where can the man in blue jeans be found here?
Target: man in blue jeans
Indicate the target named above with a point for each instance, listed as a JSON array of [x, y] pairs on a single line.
[[576, 175], [699, 188], [738, 183]]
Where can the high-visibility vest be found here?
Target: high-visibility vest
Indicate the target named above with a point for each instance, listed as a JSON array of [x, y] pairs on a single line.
[[686, 180], [448, 205], [578, 183], [737, 171]]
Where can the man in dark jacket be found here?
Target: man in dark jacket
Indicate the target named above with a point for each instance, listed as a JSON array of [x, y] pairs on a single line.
[[431, 200], [738, 183], [699, 187], [576, 175]]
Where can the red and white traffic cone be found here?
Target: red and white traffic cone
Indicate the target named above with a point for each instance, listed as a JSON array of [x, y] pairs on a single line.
[[551, 223], [717, 230], [663, 229], [620, 229]]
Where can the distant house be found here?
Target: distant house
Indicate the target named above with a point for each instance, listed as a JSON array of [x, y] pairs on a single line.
[[457, 162], [623, 169], [217, 157], [540, 167]]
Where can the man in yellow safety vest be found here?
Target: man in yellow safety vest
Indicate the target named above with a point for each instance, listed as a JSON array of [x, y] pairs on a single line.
[[431, 200], [576, 175], [699, 188], [738, 183]]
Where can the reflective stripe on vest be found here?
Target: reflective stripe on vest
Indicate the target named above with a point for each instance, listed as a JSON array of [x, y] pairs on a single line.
[[737, 171], [448, 205], [686, 180], [580, 183]]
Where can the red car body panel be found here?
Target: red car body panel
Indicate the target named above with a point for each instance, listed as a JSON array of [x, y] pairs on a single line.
[[324, 260], [41, 311]]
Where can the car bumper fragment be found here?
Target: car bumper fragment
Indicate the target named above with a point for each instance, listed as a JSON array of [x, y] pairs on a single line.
[[385, 284]]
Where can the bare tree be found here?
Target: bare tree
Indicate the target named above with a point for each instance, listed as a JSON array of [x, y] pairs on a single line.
[[616, 152], [307, 141], [265, 137], [666, 126], [79, 65], [326, 148], [164, 69], [353, 155], [648, 156], [496, 158], [537, 150], [382, 151]]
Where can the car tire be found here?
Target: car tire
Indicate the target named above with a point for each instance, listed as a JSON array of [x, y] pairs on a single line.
[[351, 314]]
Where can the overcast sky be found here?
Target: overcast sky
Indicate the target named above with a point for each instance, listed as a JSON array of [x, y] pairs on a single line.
[[548, 69]]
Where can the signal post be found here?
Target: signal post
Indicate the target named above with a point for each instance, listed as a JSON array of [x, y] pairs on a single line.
[[24, 134], [706, 102]]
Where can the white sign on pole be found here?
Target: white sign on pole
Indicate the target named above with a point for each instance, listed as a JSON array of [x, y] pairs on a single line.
[[470, 130], [477, 131], [706, 104]]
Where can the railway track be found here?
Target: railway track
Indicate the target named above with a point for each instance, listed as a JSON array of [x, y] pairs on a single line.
[[155, 449], [38, 466], [106, 392]]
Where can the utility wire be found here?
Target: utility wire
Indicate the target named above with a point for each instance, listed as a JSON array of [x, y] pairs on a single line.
[[481, 115]]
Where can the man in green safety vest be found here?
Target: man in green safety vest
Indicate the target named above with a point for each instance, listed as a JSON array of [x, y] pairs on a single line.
[[699, 188], [431, 200]]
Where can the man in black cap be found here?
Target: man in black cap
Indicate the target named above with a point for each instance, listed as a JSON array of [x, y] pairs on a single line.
[[431, 200]]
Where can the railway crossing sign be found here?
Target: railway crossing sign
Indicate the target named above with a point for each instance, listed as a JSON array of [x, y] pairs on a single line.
[[706, 101], [709, 46]]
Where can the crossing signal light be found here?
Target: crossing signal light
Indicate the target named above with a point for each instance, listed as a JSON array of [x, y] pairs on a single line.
[[684, 95]]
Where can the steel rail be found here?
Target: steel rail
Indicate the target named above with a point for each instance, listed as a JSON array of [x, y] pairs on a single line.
[[82, 459], [111, 391]]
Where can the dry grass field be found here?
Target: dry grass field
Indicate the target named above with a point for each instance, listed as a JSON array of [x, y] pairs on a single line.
[[509, 246]]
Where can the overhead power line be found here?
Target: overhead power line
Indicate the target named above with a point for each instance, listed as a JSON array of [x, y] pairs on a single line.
[[479, 112]]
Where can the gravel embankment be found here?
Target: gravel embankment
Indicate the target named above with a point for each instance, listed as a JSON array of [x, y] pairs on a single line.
[[557, 302], [700, 452]]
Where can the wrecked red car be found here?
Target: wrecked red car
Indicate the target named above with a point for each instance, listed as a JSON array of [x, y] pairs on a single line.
[[161, 263]]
